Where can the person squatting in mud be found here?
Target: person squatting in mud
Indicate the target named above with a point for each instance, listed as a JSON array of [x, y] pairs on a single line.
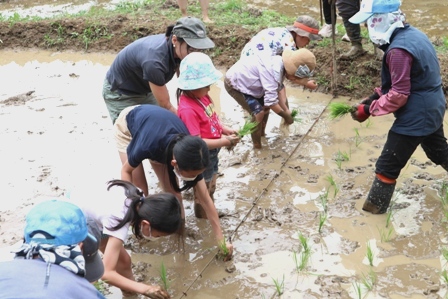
[[196, 110], [411, 89], [117, 208], [256, 83], [151, 132], [140, 72]]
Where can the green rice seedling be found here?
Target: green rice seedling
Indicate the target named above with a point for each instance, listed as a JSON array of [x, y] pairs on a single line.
[[358, 138], [324, 200], [357, 289], [295, 115], [369, 279], [341, 157], [369, 254], [248, 128], [100, 285], [444, 194], [329, 178], [338, 109], [445, 254], [368, 123], [444, 276], [164, 276], [322, 219], [279, 285], [304, 243], [223, 250], [295, 257], [385, 234]]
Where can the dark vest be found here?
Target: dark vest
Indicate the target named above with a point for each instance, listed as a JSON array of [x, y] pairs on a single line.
[[424, 111]]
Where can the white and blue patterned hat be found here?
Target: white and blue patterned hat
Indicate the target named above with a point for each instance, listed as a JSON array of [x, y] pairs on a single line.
[[197, 71]]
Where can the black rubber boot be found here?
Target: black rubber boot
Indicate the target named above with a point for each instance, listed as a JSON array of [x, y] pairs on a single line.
[[379, 197], [445, 165]]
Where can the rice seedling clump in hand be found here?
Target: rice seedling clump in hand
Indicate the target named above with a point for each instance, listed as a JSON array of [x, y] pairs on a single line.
[[248, 128], [339, 109], [294, 115]]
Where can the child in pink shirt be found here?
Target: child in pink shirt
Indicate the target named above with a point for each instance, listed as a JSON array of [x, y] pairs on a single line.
[[196, 110]]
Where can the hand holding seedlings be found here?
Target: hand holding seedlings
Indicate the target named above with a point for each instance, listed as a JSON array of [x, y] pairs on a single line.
[[248, 128], [156, 292], [360, 112], [225, 250], [339, 109], [294, 115]]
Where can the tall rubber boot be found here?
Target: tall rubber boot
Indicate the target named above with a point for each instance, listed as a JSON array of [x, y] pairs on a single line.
[[355, 51], [380, 195], [445, 165]]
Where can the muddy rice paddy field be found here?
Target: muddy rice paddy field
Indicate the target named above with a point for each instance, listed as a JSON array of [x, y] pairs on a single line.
[[292, 209]]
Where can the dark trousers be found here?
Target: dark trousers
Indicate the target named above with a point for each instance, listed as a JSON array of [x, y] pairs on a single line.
[[347, 9], [326, 7], [399, 149]]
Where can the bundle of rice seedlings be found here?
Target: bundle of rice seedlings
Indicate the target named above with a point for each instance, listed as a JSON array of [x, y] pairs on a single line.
[[339, 109], [294, 115], [248, 128]]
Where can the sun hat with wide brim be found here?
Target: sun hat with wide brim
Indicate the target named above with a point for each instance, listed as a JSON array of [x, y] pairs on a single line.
[[371, 7], [306, 26], [292, 60], [193, 32], [197, 71]]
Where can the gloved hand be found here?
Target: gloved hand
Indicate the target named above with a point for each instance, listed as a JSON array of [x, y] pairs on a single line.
[[361, 112], [369, 100]]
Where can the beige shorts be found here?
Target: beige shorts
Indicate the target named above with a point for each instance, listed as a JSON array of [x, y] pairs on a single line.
[[121, 132]]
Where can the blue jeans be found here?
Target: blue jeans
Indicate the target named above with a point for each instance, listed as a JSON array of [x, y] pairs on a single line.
[[212, 168]]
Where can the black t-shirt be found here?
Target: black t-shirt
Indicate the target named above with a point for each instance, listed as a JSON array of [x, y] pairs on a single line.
[[148, 59]]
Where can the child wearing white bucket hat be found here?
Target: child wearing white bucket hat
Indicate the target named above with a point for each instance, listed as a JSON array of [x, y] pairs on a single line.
[[195, 108], [256, 83]]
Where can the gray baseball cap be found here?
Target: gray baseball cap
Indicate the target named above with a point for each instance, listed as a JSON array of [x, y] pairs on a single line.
[[193, 31], [94, 263]]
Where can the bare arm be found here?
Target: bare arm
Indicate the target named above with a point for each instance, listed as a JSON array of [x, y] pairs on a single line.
[[126, 175], [111, 260], [162, 96], [206, 202]]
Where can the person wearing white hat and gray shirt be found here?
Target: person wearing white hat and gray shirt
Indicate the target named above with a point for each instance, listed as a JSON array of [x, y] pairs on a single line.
[[58, 259]]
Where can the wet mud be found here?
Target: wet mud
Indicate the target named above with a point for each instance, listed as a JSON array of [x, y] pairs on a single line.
[[59, 139], [292, 209]]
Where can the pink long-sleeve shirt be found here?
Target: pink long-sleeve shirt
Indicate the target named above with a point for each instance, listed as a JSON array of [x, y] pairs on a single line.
[[399, 62]]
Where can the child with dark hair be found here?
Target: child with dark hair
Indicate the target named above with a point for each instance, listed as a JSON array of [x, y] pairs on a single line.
[[153, 133], [149, 217], [196, 109]]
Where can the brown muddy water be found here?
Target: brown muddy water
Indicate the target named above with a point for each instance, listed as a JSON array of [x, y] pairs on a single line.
[[59, 139]]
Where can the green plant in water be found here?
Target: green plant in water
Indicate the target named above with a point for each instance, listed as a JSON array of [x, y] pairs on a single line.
[[369, 254], [324, 200], [279, 285], [385, 234], [329, 178], [322, 219], [369, 279], [164, 276], [338, 109], [357, 289], [341, 157], [100, 285], [295, 115], [444, 276], [248, 128], [358, 138]]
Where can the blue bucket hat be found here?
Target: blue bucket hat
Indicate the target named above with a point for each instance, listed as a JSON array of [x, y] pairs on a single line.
[[371, 7], [55, 222], [197, 71]]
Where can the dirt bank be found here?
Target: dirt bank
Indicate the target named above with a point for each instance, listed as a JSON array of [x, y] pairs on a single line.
[[111, 33]]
